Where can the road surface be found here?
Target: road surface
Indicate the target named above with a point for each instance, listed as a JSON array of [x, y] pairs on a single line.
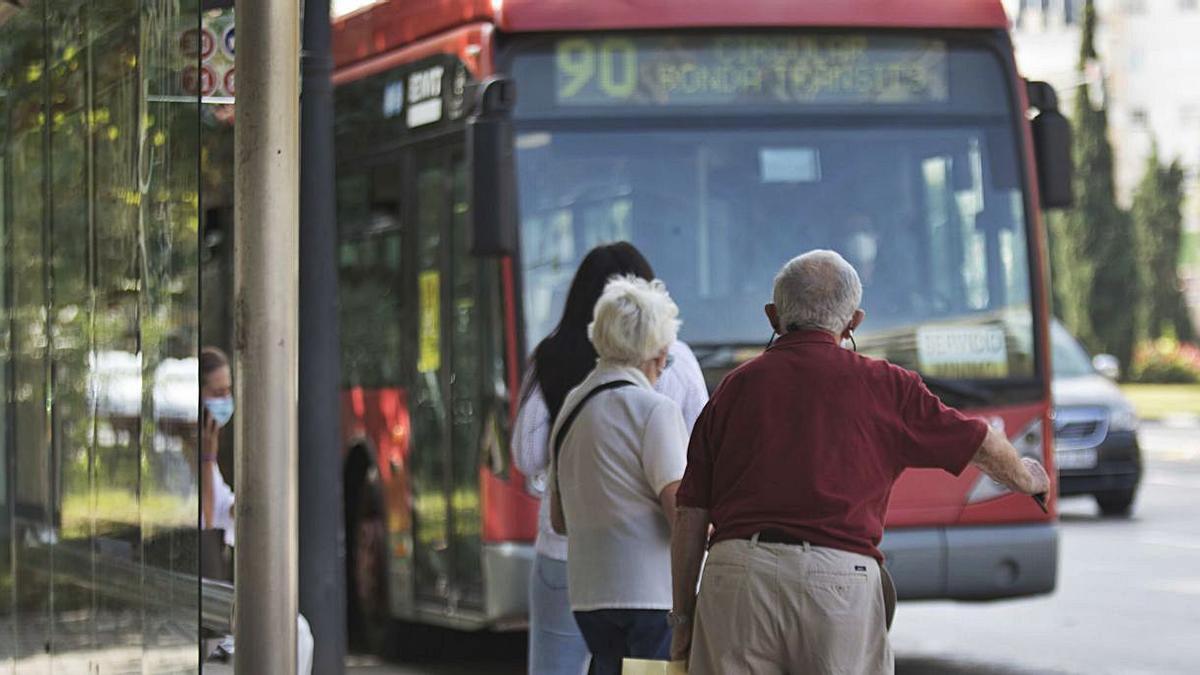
[[1126, 602]]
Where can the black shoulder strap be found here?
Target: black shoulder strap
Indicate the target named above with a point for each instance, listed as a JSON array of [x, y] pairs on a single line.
[[570, 419]]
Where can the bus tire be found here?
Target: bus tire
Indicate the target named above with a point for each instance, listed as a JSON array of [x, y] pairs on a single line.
[[369, 619]]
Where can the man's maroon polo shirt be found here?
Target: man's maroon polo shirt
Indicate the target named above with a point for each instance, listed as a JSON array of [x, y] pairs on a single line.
[[808, 439]]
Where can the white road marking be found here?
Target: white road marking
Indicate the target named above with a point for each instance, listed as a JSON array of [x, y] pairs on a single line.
[[1185, 482], [1170, 539], [1187, 586]]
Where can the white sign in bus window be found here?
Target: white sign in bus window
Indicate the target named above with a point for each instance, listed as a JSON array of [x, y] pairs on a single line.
[[789, 165], [425, 96], [962, 351]]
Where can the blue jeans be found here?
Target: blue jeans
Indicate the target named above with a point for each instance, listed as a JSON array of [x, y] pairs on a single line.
[[556, 646], [614, 634]]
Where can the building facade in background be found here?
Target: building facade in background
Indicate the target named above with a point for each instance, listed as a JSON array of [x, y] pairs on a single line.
[[1149, 57]]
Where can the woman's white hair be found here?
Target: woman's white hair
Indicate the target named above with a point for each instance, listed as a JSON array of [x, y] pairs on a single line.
[[634, 321], [817, 291]]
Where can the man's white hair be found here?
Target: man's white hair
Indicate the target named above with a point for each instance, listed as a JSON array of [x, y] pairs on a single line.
[[817, 291], [634, 321]]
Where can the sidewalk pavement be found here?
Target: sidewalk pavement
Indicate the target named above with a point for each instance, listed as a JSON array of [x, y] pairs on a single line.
[[360, 665]]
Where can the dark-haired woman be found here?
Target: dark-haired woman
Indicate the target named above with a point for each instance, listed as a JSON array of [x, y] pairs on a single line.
[[559, 364]]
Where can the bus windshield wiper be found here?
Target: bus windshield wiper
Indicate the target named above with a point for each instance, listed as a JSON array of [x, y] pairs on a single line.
[[958, 389]]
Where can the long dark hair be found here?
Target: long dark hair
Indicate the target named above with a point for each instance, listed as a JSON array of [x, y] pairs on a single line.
[[565, 357]]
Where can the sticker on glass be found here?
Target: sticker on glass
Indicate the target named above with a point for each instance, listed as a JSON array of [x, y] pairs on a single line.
[[962, 351]]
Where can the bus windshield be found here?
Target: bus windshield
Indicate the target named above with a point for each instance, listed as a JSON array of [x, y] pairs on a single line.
[[925, 201]]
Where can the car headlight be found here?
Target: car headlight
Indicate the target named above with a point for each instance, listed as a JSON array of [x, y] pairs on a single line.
[[1122, 418]]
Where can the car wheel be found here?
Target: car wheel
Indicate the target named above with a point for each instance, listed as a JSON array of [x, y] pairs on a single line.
[[1116, 504]]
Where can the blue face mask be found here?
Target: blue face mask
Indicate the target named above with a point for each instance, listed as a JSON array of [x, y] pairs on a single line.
[[220, 408]]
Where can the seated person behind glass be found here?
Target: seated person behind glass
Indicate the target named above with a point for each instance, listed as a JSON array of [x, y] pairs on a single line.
[[216, 497]]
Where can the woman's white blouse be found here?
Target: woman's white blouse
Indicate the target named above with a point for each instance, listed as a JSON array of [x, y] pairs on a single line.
[[683, 383], [222, 506]]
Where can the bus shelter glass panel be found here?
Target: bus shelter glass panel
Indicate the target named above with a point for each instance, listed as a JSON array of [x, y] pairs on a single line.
[[99, 195]]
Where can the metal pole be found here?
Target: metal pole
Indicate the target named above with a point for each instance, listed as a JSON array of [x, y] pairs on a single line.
[[266, 202], [322, 548]]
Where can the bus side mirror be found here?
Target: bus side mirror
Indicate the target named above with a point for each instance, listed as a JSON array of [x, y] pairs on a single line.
[[1051, 148], [493, 169]]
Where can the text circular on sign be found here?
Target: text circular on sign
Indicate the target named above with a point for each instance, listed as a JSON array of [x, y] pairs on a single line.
[[196, 40], [198, 80]]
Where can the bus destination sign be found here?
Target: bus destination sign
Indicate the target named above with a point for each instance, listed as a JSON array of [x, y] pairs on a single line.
[[749, 69]]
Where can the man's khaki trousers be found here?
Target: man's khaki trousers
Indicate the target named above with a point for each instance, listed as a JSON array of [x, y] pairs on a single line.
[[771, 609]]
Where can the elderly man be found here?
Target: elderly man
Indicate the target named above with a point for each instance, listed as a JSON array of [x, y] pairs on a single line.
[[793, 462]]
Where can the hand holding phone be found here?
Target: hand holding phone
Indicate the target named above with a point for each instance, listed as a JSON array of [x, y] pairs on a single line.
[[210, 434]]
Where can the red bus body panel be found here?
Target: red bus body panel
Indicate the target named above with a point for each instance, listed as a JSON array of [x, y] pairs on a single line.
[[932, 498], [394, 32], [509, 511], [471, 43], [392, 24]]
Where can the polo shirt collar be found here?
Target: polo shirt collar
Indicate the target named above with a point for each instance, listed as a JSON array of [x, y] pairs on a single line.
[[607, 371], [806, 337]]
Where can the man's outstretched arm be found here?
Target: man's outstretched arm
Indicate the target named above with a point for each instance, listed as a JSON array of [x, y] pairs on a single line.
[[999, 459]]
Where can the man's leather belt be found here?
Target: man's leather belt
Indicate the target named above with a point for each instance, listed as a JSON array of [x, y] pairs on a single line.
[[778, 537]]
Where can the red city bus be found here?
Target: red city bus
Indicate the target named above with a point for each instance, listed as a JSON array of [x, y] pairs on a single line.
[[721, 139]]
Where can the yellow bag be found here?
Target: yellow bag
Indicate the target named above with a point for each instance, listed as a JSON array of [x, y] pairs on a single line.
[[643, 667]]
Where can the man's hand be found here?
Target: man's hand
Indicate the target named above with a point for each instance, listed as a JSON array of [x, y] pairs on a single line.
[[210, 439], [1038, 480], [681, 642], [999, 459]]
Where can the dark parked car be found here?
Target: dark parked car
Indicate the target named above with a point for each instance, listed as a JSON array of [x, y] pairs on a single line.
[[1095, 428]]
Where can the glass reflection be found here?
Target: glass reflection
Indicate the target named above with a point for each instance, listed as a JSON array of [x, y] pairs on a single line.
[[99, 181]]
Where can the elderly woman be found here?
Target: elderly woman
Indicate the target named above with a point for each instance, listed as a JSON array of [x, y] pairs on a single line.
[[619, 452], [558, 365]]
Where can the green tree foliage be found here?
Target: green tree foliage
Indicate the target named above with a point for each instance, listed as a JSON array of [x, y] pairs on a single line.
[[1158, 218], [1095, 256], [1070, 275]]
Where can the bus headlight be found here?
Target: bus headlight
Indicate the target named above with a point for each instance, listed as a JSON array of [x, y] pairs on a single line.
[[1123, 418], [1029, 444]]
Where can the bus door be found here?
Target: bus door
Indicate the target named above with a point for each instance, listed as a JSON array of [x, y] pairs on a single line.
[[449, 382]]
